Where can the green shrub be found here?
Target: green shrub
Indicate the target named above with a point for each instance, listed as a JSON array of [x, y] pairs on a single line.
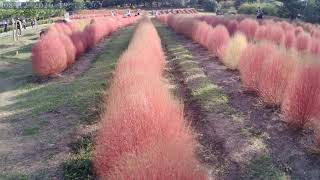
[[247, 8], [251, 8], [209, 5]]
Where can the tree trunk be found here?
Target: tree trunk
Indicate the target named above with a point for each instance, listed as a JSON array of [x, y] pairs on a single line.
[[13, 27]]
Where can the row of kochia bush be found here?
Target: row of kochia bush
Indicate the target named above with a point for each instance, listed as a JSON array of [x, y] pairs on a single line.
[[63, 43], [85, 14], [283, 75], [305, 39], [143, 134]]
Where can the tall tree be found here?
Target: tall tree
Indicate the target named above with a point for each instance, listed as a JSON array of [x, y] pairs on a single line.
[[293, 7], [312, 11]]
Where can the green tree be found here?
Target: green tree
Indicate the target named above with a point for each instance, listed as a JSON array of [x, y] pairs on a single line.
[[292, 8], [209, 5], [311, 12]]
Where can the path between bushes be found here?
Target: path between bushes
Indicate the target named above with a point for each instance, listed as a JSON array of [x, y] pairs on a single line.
[[242, 139]]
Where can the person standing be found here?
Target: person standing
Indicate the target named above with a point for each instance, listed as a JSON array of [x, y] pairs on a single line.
[[24, 24], [259, 13], [19, 26], [5, 25], [32, 23]]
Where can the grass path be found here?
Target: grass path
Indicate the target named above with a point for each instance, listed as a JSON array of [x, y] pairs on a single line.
[[39, 121], [240, 137]]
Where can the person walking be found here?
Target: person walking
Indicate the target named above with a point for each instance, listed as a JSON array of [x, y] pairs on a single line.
[[19, 26], [259, 13], [32, 23], [24, 24]]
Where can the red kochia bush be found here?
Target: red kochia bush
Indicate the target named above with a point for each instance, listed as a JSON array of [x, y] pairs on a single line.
[[299, 30], [290, 39], [303, 42], [261, 33], [78, 40], [248, 27], [140, 115], [232, 26], [74, 26], [250, 63], [48, 55], [302, 102], [218, 40], [275, 34], [270, 32], [94, 34], [200, 33], [63, 28], [69, 48], [274, 77], [172, 159], [287, 26], [315, 47]]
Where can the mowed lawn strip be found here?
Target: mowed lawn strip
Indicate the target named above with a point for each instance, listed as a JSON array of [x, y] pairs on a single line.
[[208, 95]]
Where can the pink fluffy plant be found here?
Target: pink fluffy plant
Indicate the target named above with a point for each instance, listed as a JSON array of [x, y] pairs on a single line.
[[275, 74], [248, 27], [218, 40], [172, 159], [251, 61], [301, 103], [303, 42], [48, 55], [290, 39]]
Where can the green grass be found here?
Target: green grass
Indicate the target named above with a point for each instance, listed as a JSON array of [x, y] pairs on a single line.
[[208, 95], [263, 168], [12, 177], [82, 95], [79, 166], [15, 57], [30, 131]]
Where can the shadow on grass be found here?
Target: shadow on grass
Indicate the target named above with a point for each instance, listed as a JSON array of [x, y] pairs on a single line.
[[5, 46], [21, 50]]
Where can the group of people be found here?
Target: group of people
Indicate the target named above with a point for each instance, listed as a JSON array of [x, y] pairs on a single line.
[[128, 13], [18, 23]]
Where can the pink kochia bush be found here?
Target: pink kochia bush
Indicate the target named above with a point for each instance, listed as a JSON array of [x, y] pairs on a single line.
[[79, 41], [302, 99], [283, 71], [143, 134], [270, 32], [201, 32], [69, 48], [274, 77], [218, 40], [162, 160], [250, 63], [62, 43], [248, 27], [49, 55], [215, 39], [290, 39], [303, 42]]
